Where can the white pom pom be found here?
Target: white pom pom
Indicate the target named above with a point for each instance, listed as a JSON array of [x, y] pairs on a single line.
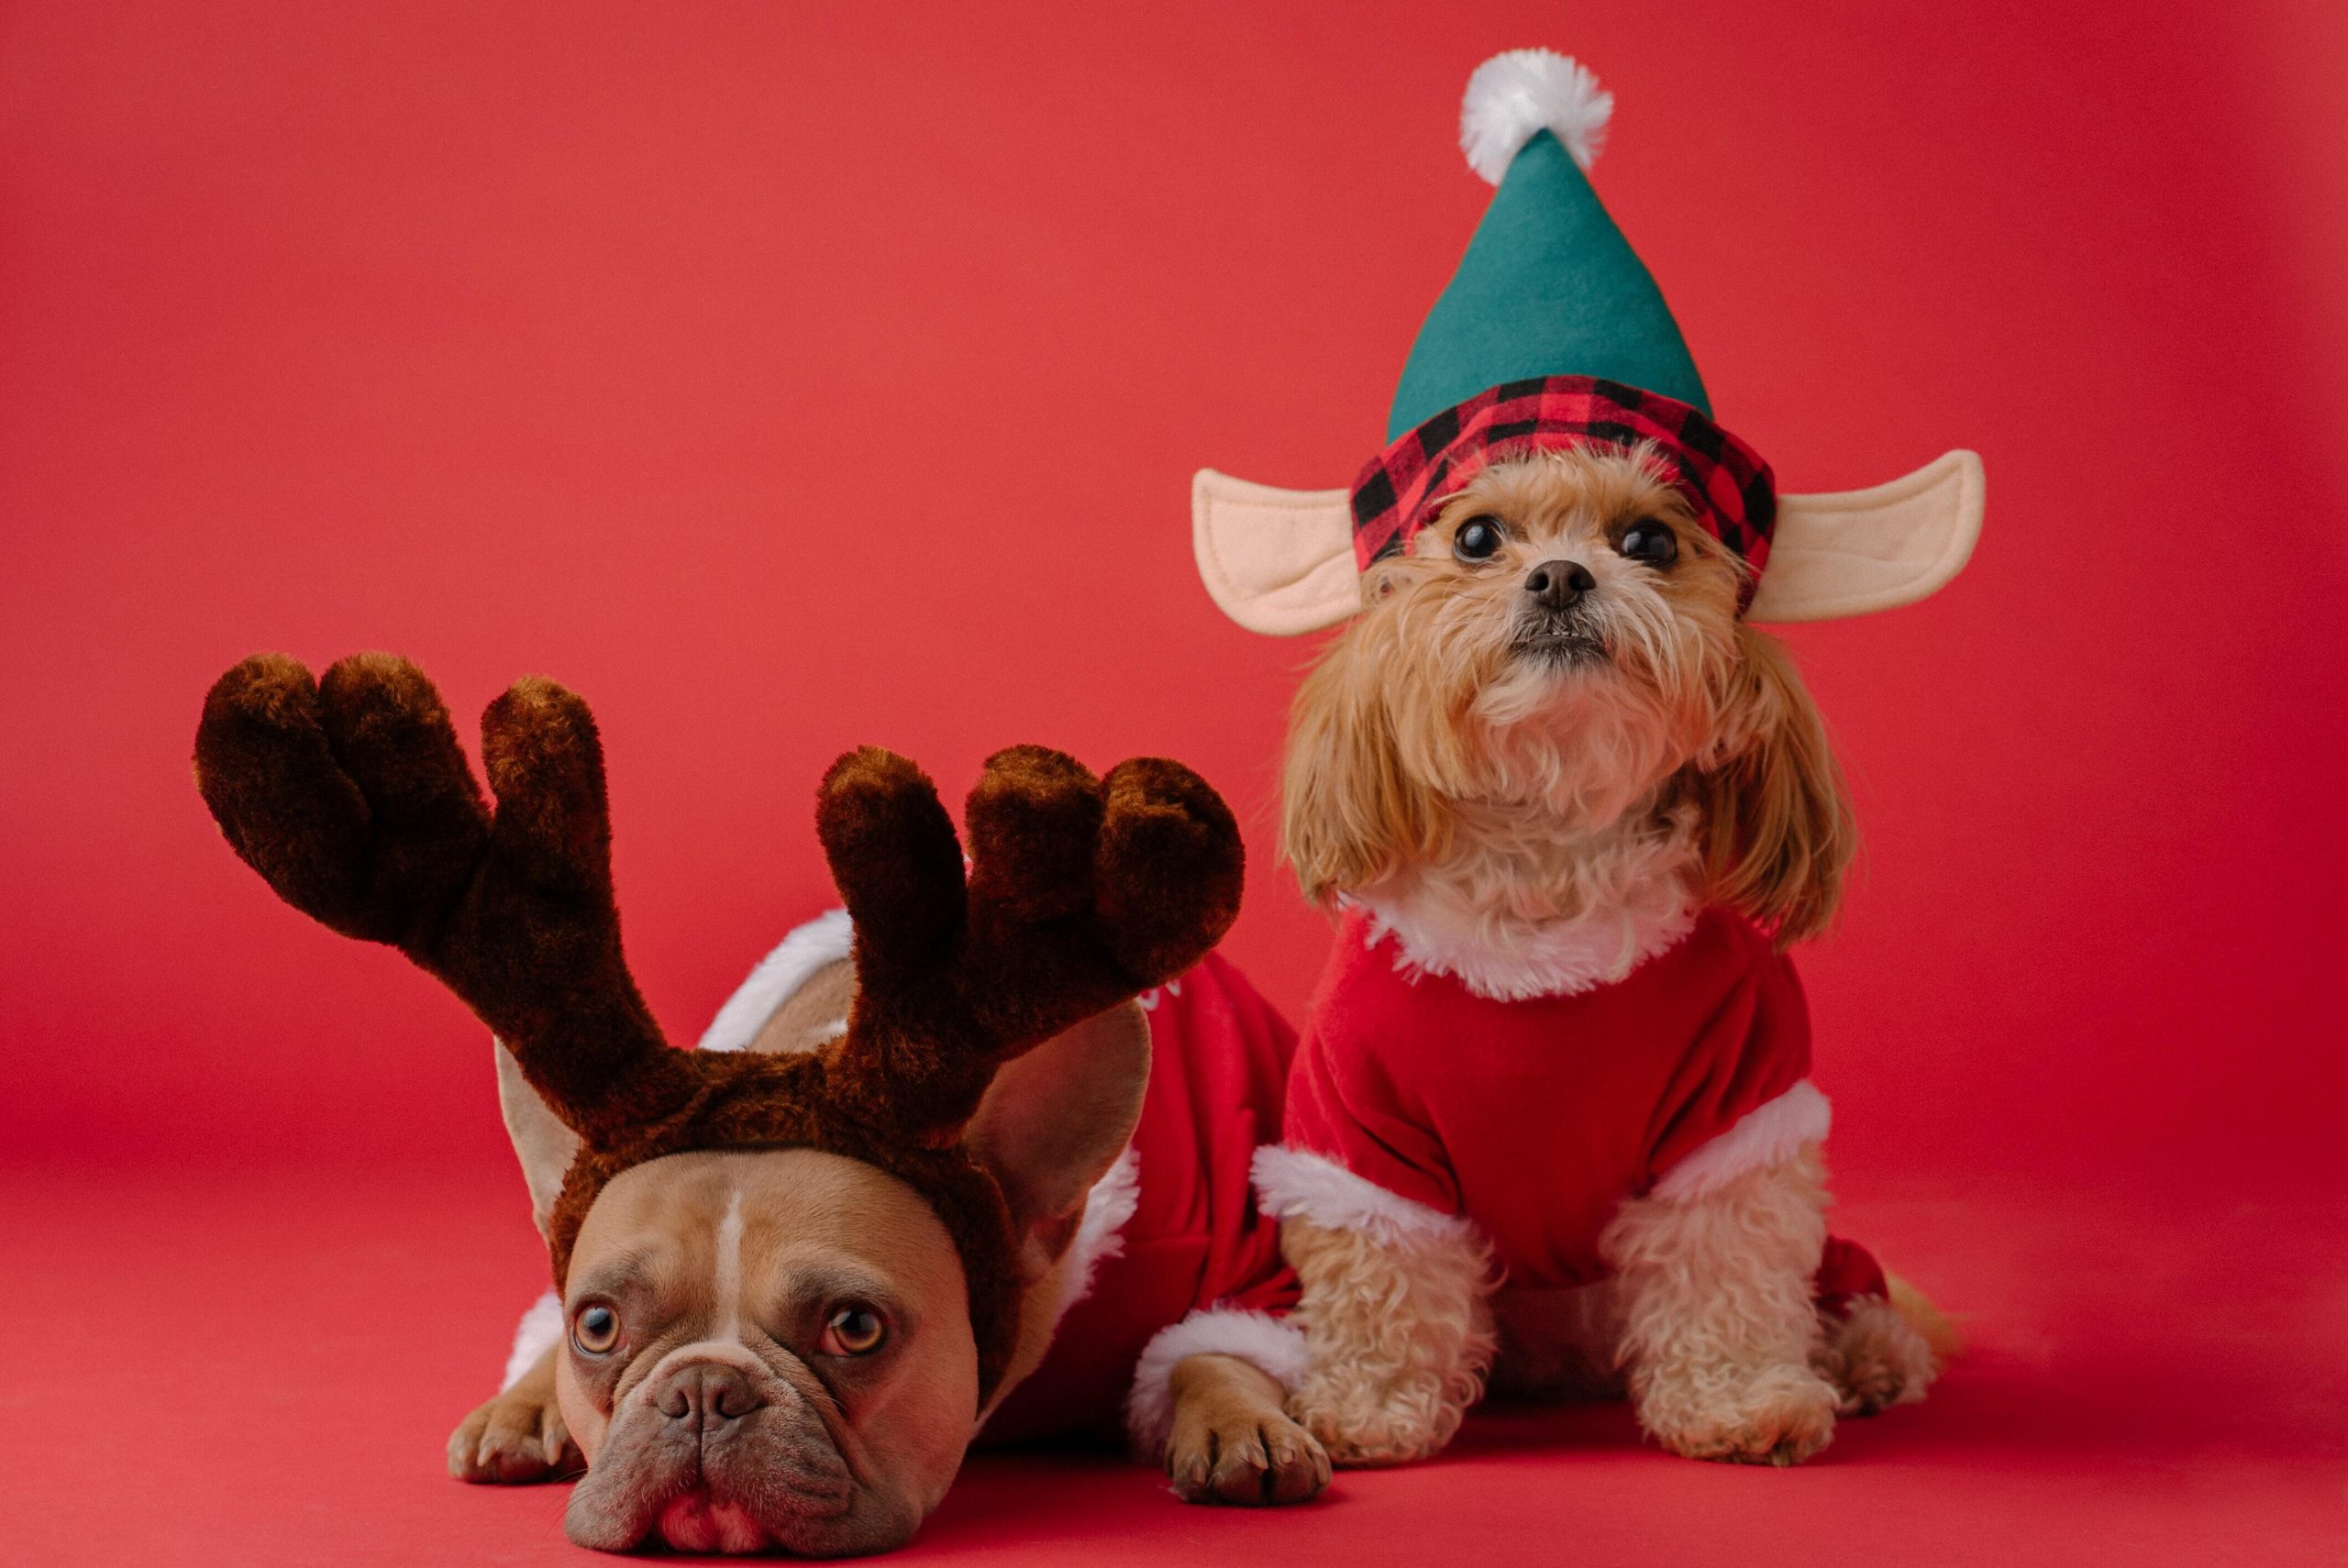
[[1514, 96]]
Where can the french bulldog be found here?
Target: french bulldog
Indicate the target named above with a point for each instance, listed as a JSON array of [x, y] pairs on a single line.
[[798, 1276]]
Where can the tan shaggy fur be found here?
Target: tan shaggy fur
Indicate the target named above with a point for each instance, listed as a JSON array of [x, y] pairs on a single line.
[[1401, 1334], [1488, 778], [1720, 1333]]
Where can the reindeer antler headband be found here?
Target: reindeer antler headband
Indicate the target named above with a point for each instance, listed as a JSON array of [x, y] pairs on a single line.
[[353, 800]]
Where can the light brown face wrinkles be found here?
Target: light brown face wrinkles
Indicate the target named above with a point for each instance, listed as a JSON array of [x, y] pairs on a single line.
[[766, 1349]]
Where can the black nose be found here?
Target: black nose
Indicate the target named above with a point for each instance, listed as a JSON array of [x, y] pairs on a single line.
[[704, 1397], [1554, 585]]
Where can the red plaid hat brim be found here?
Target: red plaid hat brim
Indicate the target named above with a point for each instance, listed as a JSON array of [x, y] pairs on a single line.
[[1727, 483]]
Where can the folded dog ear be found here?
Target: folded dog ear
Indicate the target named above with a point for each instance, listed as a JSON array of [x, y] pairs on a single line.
[[542, 1143], [1055, 1119]]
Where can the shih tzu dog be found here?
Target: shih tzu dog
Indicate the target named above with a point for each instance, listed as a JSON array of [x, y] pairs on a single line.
[[1573, 807], [1549, 1126]]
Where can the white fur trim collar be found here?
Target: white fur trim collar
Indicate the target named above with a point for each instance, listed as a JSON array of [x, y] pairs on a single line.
[[821, 941], [1267, 1343], [1483, 920], [1517, 960], [1765, 1136], [1296, 1184]]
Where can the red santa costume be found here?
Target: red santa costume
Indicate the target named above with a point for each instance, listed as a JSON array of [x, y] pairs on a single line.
[[1172, 1257], [1528, 1099]]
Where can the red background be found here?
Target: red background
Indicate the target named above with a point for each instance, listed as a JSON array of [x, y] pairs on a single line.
[[786, 378]]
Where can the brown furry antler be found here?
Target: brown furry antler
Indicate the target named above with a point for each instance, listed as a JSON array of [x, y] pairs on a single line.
[[352, 800], [1081, 892]]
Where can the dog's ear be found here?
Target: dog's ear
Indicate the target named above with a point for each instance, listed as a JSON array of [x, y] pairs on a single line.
[[544, 1144], [1347, 808], [1055, 1119], [1779, 833]]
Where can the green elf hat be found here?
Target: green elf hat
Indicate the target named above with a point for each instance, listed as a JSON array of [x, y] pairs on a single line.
[[1551, 334]]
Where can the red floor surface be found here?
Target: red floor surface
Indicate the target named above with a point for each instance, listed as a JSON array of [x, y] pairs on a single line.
[[243, 1371]]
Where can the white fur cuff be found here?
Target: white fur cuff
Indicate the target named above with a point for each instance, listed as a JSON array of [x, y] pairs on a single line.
[[1765, 1136], [1295, 1184], [539, 1330], [1264, 1342]]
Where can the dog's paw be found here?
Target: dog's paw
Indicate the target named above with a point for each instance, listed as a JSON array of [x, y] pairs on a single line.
[[513, 1439], [1779, 1416], [1243, 1456], [1875, 1359]]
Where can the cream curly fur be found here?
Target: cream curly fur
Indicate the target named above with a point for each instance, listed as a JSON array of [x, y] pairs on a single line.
[[1720, 1331], [1400, 1329], [1708, 1323]]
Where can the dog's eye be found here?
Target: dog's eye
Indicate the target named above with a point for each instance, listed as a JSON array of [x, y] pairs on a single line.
[[595, 1330], [1650, 543], [854, 1329], [1478, 538]]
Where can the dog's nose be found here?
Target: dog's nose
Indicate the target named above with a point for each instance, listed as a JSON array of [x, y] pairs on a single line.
[[707, 1396], [1554, 585]]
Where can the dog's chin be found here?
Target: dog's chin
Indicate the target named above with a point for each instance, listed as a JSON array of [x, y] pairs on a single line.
[[701, 1522], [1558, 650], [718, 1513]]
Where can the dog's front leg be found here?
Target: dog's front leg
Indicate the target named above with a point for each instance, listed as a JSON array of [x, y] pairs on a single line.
[[1399, 1332], [518, 1436], [1720, 1333]]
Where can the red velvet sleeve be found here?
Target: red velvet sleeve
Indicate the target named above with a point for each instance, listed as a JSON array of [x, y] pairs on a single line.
[[1754, 1048], [1349, 1095]]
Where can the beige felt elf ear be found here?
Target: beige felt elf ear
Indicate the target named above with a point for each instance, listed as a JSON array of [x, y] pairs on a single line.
[[1276, 561], [1281, 561], [1854, 552]]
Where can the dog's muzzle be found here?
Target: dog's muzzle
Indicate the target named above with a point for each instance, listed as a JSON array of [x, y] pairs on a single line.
[[1554, 621], [716, 1452]]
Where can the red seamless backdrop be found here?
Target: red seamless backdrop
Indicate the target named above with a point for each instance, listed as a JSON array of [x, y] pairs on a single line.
[[784, 378]]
